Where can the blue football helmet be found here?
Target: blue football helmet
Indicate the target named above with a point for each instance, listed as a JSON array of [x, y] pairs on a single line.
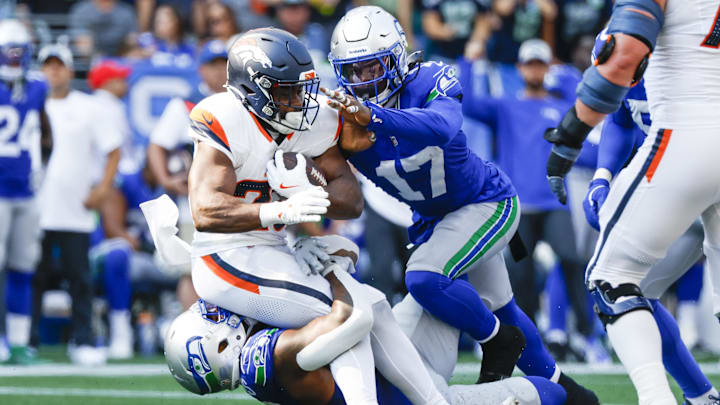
[[15, 50], [368, 54], [273, 75]]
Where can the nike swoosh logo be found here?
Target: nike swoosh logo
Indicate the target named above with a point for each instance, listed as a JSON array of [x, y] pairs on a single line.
[[282, 186], [210, 122]]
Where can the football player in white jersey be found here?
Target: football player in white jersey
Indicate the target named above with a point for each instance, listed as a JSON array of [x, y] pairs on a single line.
[[674, 177], [240, 257]]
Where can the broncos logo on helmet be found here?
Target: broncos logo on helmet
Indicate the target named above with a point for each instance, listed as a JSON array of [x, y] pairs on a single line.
[[248, 51]]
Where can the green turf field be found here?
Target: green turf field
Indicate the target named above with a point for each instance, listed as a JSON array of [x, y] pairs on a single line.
[[146, 381]]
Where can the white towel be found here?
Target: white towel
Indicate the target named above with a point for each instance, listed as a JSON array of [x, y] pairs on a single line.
[[161, 215]]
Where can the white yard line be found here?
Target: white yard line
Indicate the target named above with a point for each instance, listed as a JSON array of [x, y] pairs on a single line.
[[84, 392], [129, 370], [66, 370]]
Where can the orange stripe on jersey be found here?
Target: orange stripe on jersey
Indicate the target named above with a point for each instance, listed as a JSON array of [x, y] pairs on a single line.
[[260, 127], [229, 278], [206, 118], [658, 156], [189, 105], [339, 128]]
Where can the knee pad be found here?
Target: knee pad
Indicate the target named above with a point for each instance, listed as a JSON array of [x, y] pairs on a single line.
[[642, 19], [608, 305], [606, 51]]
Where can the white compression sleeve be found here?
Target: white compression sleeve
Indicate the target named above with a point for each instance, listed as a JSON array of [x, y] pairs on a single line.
[[326, 347], [397, 359], [519, 389], [354, 373]]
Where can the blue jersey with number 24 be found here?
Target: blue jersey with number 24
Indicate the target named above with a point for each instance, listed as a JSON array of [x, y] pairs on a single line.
[[19, 135], [421, 155]]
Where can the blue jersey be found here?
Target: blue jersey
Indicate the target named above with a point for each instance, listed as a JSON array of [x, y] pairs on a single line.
[[519, 123], [257, 374], [421, 155], [257, 368], [562, 80], [19, 135]]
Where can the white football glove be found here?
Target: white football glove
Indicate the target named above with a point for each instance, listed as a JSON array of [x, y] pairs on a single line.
[[338, 263], [305, 206], [287, 182], [310, 255]]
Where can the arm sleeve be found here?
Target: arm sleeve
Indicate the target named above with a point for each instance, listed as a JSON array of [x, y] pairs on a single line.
[[436, 124], [475, 105], [616, 143]]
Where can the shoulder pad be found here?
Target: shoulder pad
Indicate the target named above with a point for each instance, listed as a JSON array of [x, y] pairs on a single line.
[[438, 79], [205, 123]]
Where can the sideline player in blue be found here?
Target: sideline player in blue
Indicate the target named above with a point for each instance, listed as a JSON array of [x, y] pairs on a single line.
[[465, 209], [22, 119], [623, 132]]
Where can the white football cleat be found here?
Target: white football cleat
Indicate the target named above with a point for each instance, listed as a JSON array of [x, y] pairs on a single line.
[[86, 355], [121, 336]]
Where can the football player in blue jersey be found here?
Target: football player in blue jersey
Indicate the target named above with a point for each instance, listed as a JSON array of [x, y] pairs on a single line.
[[622, 133], [24, 127], [465, 209]]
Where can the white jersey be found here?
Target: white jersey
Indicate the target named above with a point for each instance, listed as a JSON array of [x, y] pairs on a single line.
[[683, 77], [222, 122]]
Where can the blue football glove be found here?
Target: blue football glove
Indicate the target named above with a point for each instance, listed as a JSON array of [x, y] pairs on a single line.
[[595, 198]]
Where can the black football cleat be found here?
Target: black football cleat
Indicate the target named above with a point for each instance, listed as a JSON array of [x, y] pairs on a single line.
[[501, 353], [576, 393]]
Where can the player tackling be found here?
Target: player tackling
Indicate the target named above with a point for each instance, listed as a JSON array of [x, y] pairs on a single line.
[[673, 179], [465, 210]]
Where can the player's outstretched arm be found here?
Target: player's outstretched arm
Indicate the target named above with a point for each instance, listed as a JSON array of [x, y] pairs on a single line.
[[633, 30], [212, 182], [435, 124], [344, 191]]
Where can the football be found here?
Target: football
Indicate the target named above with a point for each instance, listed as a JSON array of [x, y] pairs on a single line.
[[314, 173]]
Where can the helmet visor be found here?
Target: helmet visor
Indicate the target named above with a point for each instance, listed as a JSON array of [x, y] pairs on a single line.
[[14, 55], [296, 102], [371, 77], [367, 78]]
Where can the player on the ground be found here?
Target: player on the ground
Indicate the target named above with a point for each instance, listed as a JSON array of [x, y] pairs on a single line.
[[23, 128], [671, 181], [241, 260], [465, 209], [623, 132], [236, 350]]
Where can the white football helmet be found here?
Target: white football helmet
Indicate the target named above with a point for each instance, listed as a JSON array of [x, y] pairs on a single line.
[[202, 348], [15, 50], [368, 53]]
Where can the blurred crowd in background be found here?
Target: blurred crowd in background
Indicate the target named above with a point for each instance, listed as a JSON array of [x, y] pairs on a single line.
[[126, 73]]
